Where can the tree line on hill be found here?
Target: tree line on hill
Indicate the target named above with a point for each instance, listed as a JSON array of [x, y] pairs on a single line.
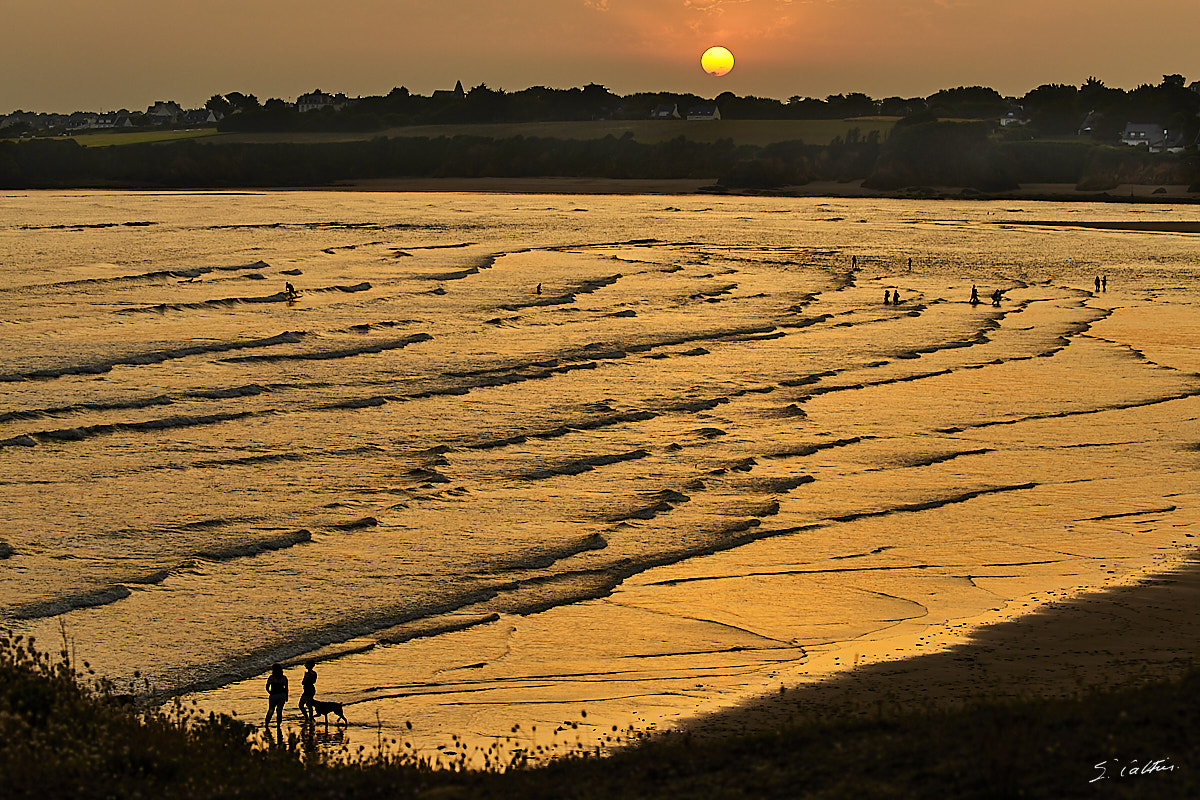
[[919, 154], [1050, 110], [933, 144]]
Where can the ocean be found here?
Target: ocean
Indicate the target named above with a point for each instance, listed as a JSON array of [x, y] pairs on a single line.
[[503, 460]]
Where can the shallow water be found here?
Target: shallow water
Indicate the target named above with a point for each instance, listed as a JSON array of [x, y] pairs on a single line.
[[504, 448]]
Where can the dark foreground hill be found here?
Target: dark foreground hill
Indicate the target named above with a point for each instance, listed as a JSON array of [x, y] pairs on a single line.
[[933, 153], [62, 739]]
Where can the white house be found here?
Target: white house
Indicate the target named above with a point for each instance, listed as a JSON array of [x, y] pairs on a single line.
[[82, 121], [1014, 116], [316, 100], [118, 120], [164, 111], [709, 112], [1173, 143], [199, 116], [1141, 133], [666, 111]]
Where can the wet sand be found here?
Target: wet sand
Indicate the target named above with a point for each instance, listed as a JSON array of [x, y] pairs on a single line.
[[1145, 630], [1084, 577], [581, 186]]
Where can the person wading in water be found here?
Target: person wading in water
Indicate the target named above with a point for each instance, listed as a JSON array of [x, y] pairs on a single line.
[[277, 694]]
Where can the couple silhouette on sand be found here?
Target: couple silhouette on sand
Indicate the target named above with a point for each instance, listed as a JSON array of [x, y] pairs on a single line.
[[277, 695], [996, 296]]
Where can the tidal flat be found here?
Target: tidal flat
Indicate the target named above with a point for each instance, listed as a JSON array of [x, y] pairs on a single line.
[[504, 459]]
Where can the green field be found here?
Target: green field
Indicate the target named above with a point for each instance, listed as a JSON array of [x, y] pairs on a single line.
[[110, 138], [741, 131]]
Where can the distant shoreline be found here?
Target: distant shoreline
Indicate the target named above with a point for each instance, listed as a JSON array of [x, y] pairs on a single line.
[[1148, 227], [1125, 193]]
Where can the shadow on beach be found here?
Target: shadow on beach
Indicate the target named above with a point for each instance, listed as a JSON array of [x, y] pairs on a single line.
[[1106, 639]]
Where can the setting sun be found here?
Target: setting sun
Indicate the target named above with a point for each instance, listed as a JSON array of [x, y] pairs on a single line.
[[717, 61]]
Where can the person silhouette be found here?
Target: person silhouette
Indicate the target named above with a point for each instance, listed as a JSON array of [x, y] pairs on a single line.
[[539, 289], [277, 694], [887, 297], [1097, 283], [289, 290], [974, 296], [1104, 283], [308, 689], [996, 295], [896, 298]]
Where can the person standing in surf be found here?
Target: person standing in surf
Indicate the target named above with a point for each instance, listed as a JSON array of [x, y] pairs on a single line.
[[277, 694], [308, 689]]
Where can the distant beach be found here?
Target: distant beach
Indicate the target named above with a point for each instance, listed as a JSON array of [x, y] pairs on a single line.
[[1058, 192]]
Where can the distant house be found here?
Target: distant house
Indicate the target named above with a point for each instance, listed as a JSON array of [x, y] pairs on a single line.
[[16, 118], [164, 112], [199, 116], [111, 121], [1142, 133], [82, 121], [35, 121], [1014, 116], [317, 100], [446, 94], [666, 111], [700, 113], [1173, 142]]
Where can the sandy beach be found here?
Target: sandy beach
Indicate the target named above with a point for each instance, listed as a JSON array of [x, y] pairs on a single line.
[[1146, 629]]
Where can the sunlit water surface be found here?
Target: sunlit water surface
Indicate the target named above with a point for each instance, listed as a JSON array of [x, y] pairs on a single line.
[[508, 456]]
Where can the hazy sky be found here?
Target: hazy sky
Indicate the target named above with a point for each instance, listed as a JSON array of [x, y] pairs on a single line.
[[80, 54]]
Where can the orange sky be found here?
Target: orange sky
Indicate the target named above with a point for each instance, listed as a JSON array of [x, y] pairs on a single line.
[[116, 54]]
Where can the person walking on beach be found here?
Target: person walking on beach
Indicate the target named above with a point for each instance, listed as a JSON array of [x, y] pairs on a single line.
[[1104, 283], [896, 297], [308, 689], [887, 297], [974, 296], [277, 694], [996, 295], [1097, 283]]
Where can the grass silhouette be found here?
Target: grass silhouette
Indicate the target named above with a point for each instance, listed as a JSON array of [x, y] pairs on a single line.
[[66, 734]]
